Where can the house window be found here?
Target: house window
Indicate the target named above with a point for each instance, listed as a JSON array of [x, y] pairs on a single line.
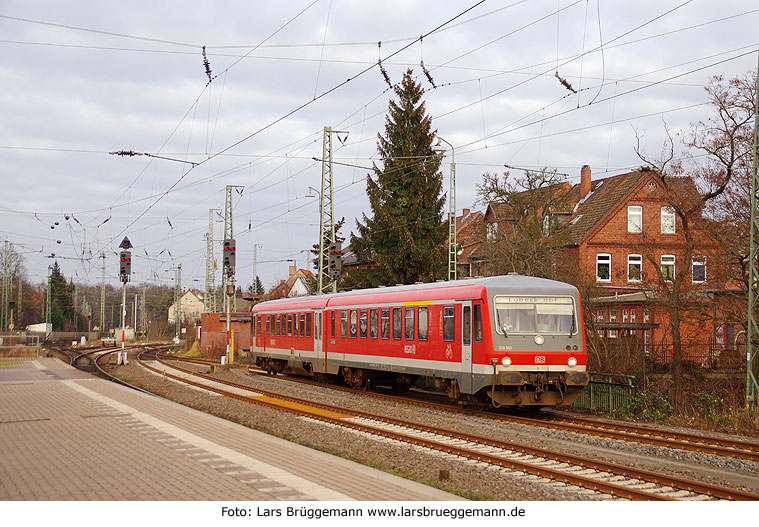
[[603, 267], [699, 269], [612, 333], [634, 268], [646, 316], [600, 316], [492, 230], [612, 315], [668, 267], [632, 316], [385, 323], [634, 218], [625, 314], [667, 220]]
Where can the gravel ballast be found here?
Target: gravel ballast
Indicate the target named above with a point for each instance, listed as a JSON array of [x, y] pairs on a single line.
[[467, 478]]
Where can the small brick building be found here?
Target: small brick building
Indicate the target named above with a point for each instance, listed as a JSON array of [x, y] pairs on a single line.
[[213, 334]]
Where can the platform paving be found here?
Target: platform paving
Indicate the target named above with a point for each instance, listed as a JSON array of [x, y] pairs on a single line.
[[67, 435]]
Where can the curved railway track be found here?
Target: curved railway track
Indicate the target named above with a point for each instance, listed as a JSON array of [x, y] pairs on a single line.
[[617, 480], [729, 447]]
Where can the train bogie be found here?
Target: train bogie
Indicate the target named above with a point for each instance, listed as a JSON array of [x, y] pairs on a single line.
[[511, 340]]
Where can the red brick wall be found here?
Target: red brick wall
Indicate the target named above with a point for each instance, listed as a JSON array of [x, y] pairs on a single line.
[[213, 336]]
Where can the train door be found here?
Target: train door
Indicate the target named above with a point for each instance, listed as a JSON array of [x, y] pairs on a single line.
[[466, 343], [318, 332]]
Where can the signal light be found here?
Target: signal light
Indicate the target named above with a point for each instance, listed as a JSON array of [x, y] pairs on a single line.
[[125, 267], [335, 260], [230, 254]]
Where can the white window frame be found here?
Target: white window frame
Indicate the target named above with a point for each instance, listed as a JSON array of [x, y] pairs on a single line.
[[492, 230], [670, 261], [603, 259], [667, 216], [613, 315], [625, 314], [693, 268], [631, 260], [635, 212]]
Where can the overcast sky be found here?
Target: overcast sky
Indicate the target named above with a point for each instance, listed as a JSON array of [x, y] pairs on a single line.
[[82, 79]]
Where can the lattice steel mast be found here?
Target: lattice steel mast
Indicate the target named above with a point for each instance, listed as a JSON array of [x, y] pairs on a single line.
[[752, 327], [209, 301], [327, 234]]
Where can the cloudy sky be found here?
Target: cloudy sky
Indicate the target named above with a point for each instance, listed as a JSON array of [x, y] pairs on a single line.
[[82, 79]]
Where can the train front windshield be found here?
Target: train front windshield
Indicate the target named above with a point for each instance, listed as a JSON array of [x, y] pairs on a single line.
[[526, 314]]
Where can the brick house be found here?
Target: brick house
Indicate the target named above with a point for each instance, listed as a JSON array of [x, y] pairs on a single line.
[[618, 233]]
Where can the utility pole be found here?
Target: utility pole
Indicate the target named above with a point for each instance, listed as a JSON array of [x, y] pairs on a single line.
[[752, 328], [7, 286], [327, 237], [209, 301], [253, 288], [178, 301], [19, 305], [102, 298], [48, 300], [452, 234]]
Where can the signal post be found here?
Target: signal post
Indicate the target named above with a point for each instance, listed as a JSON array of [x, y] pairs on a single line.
[[229, 271], [125, 271]]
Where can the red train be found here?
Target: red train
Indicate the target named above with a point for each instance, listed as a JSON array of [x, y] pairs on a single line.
[[504, 340]]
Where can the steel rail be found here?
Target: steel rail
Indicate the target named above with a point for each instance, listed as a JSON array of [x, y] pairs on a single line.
[[660, 479]]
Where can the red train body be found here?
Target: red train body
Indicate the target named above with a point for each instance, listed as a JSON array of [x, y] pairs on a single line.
[[507, 340]]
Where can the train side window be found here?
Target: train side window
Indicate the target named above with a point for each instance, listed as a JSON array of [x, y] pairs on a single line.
[[373, 323], [362, 322], [276, 326], [332, 324], [309, 322], [344, 324], [466, 326], [449, 323], [283, 323], [289, 325], [409, 327], [423, 323], [302, 325], [477, 312], [268, 322], [397, 321], [385, 323], [354, 324]]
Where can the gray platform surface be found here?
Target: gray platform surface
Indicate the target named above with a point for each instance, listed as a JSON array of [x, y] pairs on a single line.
[[66, 435]]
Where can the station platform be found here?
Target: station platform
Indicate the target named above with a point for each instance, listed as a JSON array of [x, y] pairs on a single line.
[[66, 435]]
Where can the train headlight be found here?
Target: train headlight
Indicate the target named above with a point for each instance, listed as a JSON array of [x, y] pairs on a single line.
[[506, 361], [572, 362], [539, 339]]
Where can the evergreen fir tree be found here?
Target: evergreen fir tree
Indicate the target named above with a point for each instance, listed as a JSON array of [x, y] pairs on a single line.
[[405, 237]]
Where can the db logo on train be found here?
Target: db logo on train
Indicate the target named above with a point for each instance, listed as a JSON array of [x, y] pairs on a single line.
[[540, 359]]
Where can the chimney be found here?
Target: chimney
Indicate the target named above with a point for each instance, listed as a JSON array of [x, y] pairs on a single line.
[[293, 269], [584, 181]]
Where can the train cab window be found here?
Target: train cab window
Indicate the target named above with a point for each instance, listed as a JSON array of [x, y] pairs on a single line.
[[344, 324], [423, 323], [409, 326], [385, 323], [397, 323], [309, 322], [466, 326], [354, 324], [477, 311], [362, 322], [449, 323], [332, 324], [373, 323], [302, 325]]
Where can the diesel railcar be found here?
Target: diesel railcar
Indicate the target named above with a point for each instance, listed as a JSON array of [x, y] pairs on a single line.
[[505, 340]]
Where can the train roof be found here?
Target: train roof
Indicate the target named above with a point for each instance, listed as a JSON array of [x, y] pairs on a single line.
[[459, 289]]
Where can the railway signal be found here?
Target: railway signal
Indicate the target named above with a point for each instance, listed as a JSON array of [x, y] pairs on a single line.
[[229, 256], [335, 260], [125, 268]]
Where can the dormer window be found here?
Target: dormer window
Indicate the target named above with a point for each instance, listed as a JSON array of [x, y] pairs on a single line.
[[635, 219]]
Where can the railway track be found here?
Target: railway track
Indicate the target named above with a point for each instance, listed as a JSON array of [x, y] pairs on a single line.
[[728, 447], [617, 480]]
